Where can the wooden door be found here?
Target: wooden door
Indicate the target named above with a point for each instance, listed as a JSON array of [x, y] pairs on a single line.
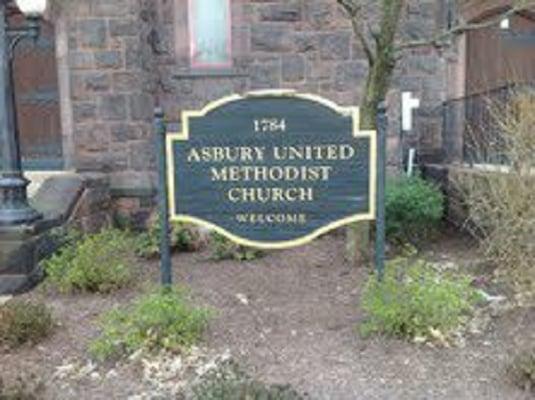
[[37, 100]]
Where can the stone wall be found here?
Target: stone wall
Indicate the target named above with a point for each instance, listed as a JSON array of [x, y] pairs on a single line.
[[123, 56], [308, 46], [111, 84]]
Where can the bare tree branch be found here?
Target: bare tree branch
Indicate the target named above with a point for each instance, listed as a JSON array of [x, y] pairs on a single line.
[[354, 11], [442, 39]]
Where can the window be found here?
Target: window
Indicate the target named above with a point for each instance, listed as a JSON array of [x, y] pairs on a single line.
[[210, 33]]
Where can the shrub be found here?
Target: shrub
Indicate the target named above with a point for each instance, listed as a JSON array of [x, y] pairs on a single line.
[[413, 300], [25, 388], [500, 202], [164, 319], [183, 237], [521, 371], [414, 208], [93, 263], [225, 249], [228, 382], [24, 322]]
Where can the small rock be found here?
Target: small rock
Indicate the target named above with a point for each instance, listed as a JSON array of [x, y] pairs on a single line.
[[490, 298], [439, 337], [176, 365], [86, 370], [63, 371], [112, 374], [136, 355], [419, 339], [95, 376], [243, 299]]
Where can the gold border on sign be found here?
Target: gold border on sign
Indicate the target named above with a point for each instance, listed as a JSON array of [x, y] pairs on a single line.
[[353, 112]]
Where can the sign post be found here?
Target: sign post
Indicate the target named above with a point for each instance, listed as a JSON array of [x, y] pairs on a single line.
[[380, 229], [165, 247], [271, 170]]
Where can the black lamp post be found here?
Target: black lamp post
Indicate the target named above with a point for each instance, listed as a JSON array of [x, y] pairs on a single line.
[[14, 206]]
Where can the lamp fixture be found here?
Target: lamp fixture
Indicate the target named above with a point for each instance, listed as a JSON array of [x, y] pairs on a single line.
[[32, 8]]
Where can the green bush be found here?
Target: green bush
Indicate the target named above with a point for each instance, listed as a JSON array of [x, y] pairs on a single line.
[[225, 249], [414, 208], [183, 237], [24, 322], [94, 263], [521, 371], [164, 319], [414, 299]]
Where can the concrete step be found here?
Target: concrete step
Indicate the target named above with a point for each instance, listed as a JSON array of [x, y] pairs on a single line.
[[37, 178]]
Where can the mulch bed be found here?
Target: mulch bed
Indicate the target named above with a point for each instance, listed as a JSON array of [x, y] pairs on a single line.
[[289, 317]]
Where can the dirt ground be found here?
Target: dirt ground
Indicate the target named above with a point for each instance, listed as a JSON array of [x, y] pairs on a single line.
[[289, 317]]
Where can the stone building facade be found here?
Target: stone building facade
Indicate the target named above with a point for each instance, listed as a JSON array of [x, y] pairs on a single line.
[[118, 59]]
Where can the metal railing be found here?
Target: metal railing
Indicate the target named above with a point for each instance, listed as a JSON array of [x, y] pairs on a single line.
[[471, 133]]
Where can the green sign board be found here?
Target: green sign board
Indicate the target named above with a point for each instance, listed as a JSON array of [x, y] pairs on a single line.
[[271, 169]]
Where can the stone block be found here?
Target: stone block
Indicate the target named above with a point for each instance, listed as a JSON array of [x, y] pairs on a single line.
[[123, 132], [83, 112], [85, 85], [306, 42], [57, 196], [122, 27], [350, 75], [16, 256], [317, 69], [92, 136], [126, 82], [113, 107], [319, 14], [141, 107], [79, 60], [335, 45], [293, 68], [108, 59], [115, 8], [142, 155], [290, 12], [92, 33], [271, 39], [265, 76]]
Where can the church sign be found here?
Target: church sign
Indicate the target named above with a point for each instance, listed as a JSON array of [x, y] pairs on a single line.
[[271, 169]]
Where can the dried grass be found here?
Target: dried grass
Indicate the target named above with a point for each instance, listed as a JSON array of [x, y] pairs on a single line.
[[501, 201]]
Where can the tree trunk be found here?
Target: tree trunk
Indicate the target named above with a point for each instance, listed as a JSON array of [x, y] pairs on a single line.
[[377, 85]]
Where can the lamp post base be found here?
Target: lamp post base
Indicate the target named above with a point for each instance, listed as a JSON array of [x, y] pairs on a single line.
[[14, 207]]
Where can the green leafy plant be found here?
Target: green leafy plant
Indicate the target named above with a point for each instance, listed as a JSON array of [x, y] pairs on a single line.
[[225, 249], [521, 371], [183, 237], [98, 262], [414, 208], [24, 322], [415, 300], [164, 319]]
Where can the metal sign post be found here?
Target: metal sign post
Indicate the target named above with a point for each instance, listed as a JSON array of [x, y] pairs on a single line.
[[380, 234], [165, 248]]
